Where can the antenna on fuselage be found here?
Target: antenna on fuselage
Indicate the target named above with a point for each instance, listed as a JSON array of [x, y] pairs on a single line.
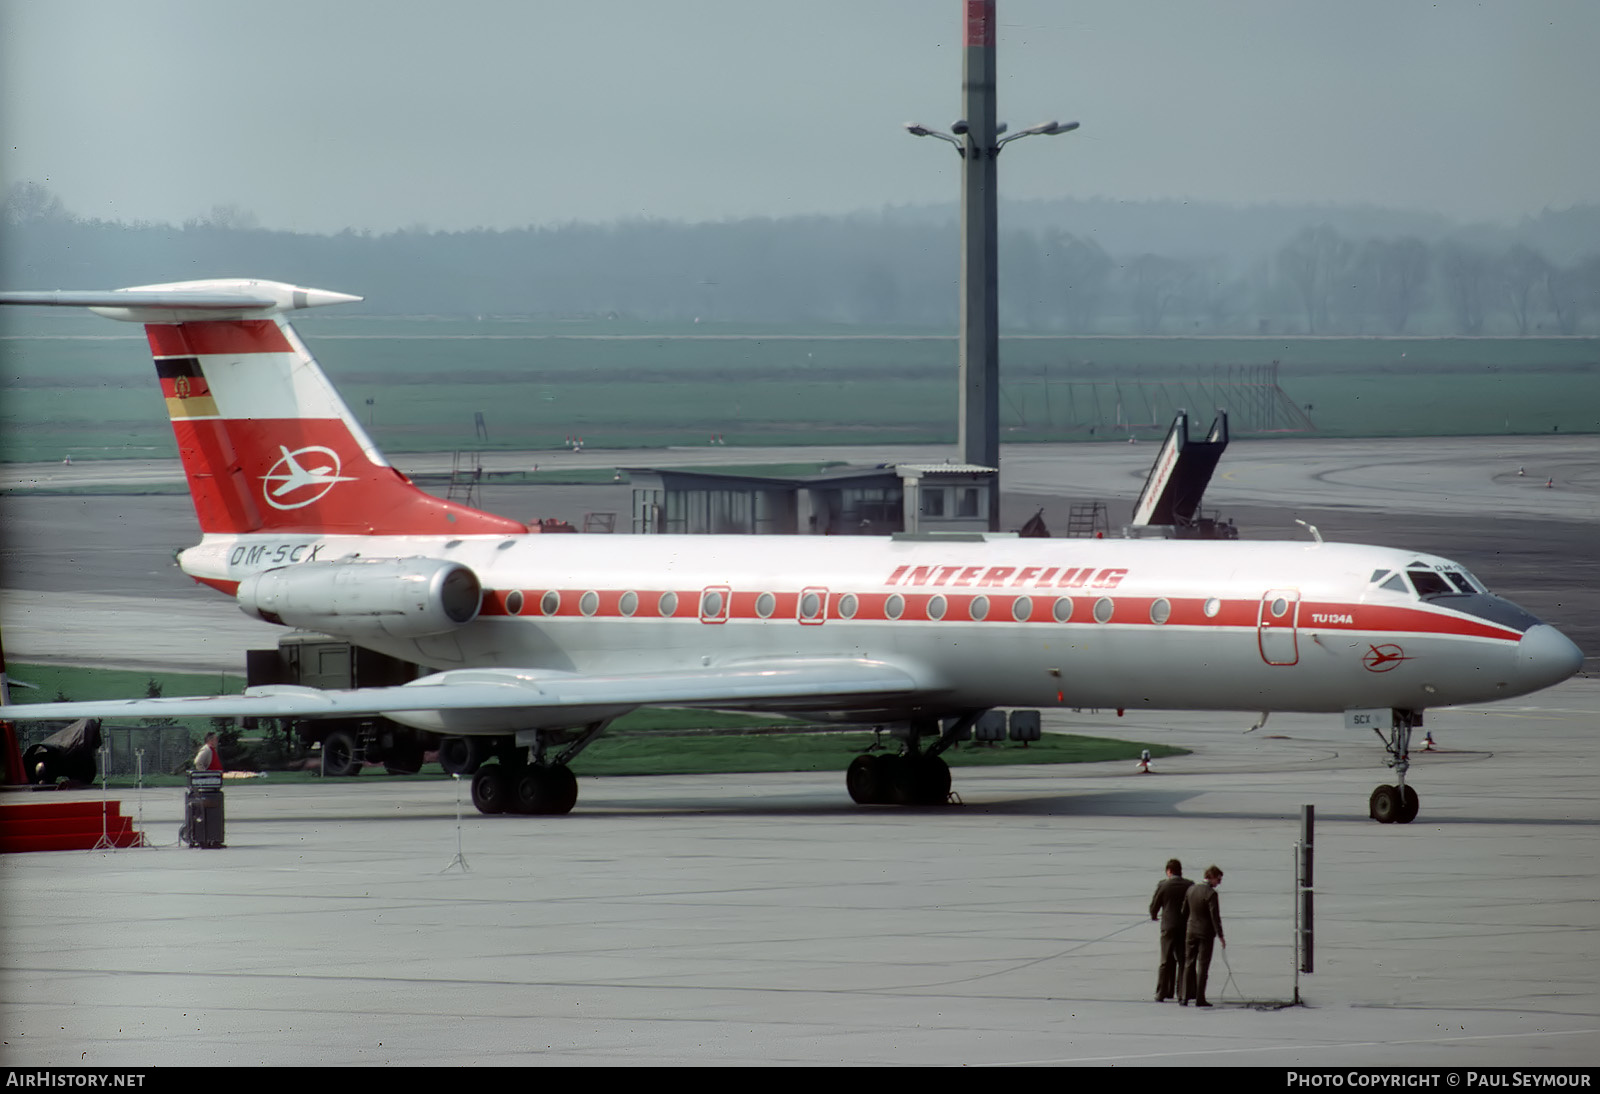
[[1312, 528]]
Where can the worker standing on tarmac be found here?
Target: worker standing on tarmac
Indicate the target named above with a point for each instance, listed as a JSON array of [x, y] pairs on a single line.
[[1204, 930], [1169, 906]]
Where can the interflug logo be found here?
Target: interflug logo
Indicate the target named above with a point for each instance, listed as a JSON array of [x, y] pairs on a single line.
[[290, 484], [1383, 658]]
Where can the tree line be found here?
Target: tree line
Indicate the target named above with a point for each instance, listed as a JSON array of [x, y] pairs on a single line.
[[885, 270]]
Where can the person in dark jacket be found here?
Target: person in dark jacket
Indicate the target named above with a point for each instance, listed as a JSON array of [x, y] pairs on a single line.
[[1168, 905], [1203, 932]]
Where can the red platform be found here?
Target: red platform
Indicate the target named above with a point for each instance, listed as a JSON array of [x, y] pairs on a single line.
[[64, 826]]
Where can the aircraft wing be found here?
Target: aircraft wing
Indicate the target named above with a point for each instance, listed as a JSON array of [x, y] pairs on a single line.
[[500, 700]]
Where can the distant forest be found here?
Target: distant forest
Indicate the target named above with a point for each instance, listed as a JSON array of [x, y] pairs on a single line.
[[1067, 267]]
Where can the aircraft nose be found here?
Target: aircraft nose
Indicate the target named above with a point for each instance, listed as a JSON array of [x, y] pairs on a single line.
[[1545, 656]]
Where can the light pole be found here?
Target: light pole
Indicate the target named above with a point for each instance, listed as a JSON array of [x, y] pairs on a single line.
[[977, 139]]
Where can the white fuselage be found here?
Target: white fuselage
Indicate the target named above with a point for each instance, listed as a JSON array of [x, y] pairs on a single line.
[[978, 622]]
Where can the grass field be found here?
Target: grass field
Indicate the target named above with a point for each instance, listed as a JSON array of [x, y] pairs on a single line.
[[77, 385]]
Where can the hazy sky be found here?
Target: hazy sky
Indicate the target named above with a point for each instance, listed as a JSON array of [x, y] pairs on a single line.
[[321, 115]]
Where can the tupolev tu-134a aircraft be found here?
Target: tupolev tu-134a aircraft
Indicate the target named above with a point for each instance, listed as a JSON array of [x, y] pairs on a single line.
[[536, 643]]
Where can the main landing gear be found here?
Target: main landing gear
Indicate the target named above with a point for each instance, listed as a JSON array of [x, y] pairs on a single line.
[[915, 776], [1397, 804], [527, 779], [531, 789]]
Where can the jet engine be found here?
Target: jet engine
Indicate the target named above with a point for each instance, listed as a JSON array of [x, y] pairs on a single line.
[[398, 597]]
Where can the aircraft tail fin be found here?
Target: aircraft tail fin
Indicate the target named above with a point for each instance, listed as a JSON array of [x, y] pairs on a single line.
[[266, 443]]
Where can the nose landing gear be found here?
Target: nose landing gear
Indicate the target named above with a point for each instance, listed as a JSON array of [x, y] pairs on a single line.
[[1393, 805], [1397, 804]]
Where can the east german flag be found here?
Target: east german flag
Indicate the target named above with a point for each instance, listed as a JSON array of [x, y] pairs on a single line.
[[184, 387]]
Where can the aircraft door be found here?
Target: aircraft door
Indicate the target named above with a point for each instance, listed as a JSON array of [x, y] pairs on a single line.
[[715, 602], [1276, 626], [812, 609]]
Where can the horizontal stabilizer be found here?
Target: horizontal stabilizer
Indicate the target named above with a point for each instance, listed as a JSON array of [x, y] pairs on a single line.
[[217, 298], [119, 298]]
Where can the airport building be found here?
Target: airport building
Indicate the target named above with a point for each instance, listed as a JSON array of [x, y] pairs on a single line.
[[857, 501]]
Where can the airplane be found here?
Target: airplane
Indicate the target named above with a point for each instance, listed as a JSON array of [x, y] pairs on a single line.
[[535, 643]]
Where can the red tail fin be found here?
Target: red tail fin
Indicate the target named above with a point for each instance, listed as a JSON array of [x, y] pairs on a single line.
[[266, 442], [268, 445]]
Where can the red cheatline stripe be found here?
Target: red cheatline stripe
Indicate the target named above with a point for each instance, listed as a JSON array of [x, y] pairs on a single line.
[[229, 587], [216, 336], [874, 607]]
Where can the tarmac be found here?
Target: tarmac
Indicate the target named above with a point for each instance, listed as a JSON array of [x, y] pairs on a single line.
[[765, 920]]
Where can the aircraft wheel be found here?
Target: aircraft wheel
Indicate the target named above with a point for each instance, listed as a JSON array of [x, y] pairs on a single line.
[[529, 791], [865, 781], [339, 754], [1385, 805], [545, 791], [461, 755], [491, 790], [1408, 806], [404, 759], [563, 789], [933, 781], [920, 780], [927, 780], [893, 779]]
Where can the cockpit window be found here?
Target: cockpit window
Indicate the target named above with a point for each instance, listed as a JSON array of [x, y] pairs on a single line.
[[1378, 575], [1457, 590], [1427, 583]]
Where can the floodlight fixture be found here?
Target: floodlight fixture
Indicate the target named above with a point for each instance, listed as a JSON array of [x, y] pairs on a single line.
[[1047, 129], [918, 130]]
